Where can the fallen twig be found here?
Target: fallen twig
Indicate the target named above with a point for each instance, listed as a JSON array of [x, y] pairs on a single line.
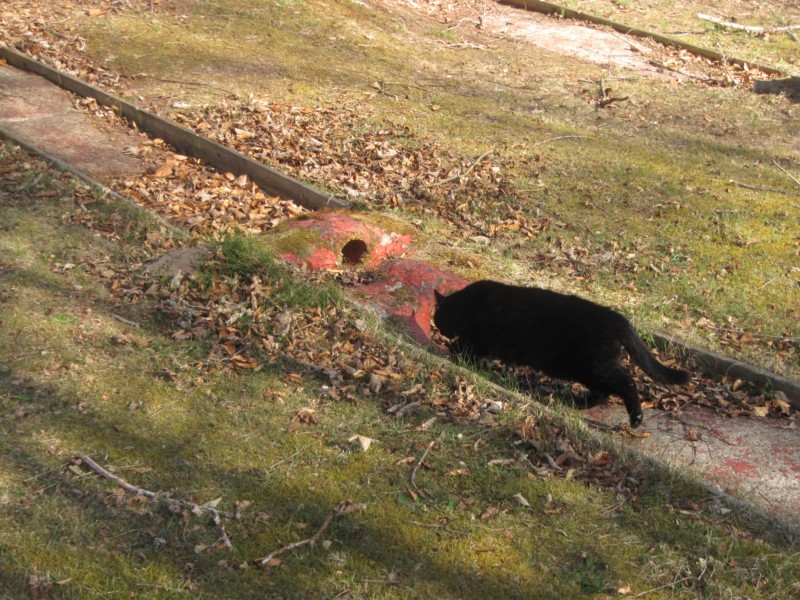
[[759, 188], [551, 461], [750, 28], [416, 467], [343, 508], [709, 80], [196, 509], [460, 175], [789, 175], [607, 101], [124, 320], [783, 338], [661, 587], [439, 526]]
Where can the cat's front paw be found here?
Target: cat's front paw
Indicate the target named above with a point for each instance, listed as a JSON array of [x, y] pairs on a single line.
[[636, 419]]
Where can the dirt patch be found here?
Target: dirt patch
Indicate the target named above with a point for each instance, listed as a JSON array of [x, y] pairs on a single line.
[[564, 37]]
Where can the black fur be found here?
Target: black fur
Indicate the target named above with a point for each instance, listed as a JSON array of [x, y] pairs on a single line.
[[564, 336]]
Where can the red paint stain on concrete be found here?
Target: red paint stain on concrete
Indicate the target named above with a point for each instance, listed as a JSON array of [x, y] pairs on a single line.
[[789, 458], [405, 291], [742, 467]]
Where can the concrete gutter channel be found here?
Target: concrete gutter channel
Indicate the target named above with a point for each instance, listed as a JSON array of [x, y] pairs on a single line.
[[754, 460]]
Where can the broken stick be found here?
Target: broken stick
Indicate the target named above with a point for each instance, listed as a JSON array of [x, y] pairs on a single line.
[[196, 509], [750, 28], [343, 508], [416, 466], [460, 175]]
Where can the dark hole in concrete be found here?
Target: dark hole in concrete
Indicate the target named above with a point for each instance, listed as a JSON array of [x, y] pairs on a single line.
[[353, 251]]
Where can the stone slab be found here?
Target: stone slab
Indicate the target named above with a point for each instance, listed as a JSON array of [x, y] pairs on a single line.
[[43, 115]]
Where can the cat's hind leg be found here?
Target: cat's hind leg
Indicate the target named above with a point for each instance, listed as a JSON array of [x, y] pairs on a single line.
[[586, 399], [616, 380]]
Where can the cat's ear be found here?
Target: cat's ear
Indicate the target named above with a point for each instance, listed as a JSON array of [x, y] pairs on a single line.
[[439, 297]]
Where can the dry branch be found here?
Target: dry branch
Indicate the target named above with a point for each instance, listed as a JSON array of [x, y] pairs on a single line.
[[760, 188], [124, 320], [196, 509], [460, 175], [343, 508], [789, 175], [559, 137], [607, 101], [750, 28], [416, 467]]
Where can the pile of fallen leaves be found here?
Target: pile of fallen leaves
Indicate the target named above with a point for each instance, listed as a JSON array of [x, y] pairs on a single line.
[[548, 452], [730, 397], [47, 30], [714, 73], [202, 200], [340, 149], [383, 164], [188, 192]]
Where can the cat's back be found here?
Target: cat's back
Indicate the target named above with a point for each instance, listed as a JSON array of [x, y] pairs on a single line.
[[540, 307]]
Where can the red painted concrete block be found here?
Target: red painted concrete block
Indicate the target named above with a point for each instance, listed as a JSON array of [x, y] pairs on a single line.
[[404, 290], [339, 239]]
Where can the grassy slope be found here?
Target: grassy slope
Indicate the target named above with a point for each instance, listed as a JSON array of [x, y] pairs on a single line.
[[75, 380], [647, 184]]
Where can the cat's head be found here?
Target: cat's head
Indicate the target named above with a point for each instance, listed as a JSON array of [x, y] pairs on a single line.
[[444, 318]]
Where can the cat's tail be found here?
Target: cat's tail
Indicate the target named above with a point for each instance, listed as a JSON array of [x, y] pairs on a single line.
[[644, 358]]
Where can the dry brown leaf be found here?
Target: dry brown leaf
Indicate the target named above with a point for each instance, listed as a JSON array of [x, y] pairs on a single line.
[[163, 171], [364, 442]]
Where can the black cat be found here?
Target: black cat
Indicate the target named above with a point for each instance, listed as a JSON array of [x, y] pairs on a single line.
[[564, 336]]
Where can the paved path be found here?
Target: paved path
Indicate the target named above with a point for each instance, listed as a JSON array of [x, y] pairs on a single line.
[[754, 459], [38, 113]]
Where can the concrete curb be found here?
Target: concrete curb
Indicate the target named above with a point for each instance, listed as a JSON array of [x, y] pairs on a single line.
[[716, 364], [185, 140], [549, 8]]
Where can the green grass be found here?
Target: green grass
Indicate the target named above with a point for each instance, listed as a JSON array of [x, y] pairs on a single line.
[[246, 257], [150, 408]]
